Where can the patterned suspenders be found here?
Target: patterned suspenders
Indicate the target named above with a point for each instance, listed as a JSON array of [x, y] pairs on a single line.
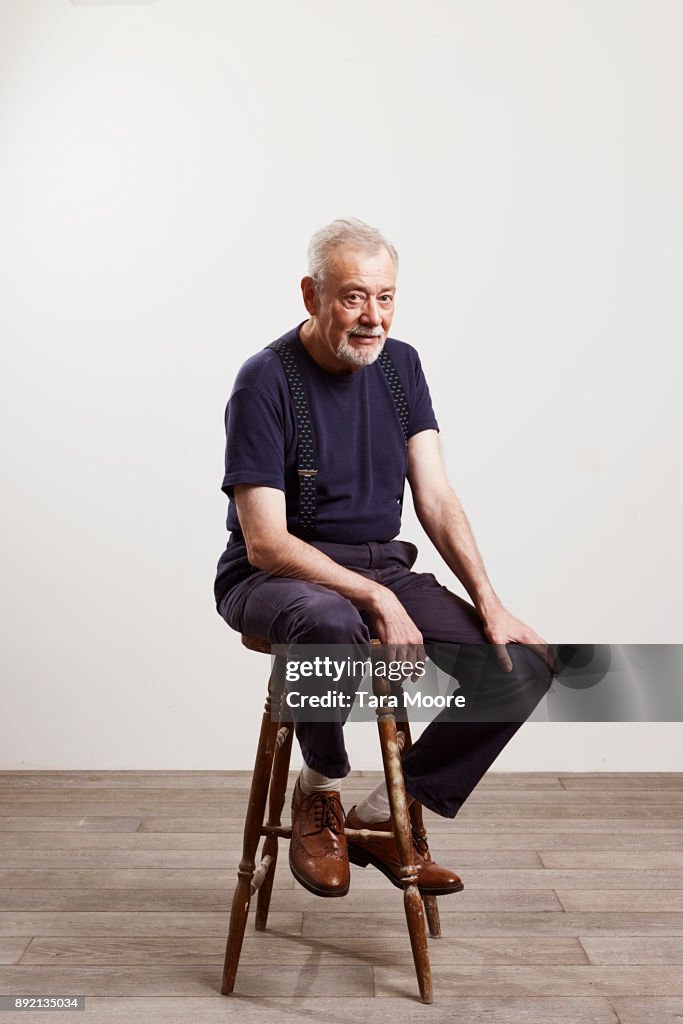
[[305, 441]]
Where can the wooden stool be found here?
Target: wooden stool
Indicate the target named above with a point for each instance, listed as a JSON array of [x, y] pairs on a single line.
[[269, 783]]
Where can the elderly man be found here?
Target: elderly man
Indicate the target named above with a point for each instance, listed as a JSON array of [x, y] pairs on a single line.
[[312, 557]]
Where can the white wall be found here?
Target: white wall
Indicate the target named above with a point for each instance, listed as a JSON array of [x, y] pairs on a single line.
[[162, 169]]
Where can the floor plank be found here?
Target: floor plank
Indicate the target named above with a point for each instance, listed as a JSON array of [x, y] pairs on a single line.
[[490, 825], [188, 878], [187, 980], [631, 950], [125, 878], [532, 805], [295, 899], [461, 841], [658, 1010], [181, 923], [621, 900], [614, 860], [231, 797], [227, 859], [323, 925], [606, 782], [273, 950], [520, 980], [77, 823]]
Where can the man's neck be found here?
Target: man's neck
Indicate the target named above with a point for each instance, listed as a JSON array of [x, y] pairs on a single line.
[[311, 342]]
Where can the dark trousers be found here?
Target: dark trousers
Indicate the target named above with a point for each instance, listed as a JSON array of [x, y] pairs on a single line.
[[447, 761]]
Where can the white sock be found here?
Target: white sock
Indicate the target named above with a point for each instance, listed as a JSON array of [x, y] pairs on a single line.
[[313, 782], [376, 807]]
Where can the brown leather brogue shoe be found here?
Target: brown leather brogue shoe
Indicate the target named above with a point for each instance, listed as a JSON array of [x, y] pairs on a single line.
[[318, 854], [432, 879]]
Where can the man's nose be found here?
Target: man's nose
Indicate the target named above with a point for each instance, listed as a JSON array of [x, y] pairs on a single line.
[[371, 312]]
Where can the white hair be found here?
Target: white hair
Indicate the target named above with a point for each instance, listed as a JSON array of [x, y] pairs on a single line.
[[345, 231]]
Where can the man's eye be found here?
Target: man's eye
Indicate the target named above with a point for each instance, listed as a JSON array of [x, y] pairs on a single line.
[[386, 298]]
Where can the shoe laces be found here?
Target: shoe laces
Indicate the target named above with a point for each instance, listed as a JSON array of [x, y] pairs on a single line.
[[326, 810], [419, 842]]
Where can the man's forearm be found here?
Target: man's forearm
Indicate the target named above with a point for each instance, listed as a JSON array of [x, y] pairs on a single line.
[[290, 556], [449, 530]]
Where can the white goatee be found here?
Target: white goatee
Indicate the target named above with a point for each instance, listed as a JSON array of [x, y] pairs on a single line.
[[360, 357]]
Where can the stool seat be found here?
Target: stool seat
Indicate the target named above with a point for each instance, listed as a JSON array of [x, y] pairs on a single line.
[[255, 643], [269, 784]]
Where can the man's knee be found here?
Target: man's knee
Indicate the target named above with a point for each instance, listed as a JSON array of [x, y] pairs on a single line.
[[491, 692], [529, 663], [326, 618], [531, 678]]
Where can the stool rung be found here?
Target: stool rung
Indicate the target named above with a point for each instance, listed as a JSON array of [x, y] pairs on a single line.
[[367, 833], [281, 735], [260, 873], [285, 832], [281, 831]]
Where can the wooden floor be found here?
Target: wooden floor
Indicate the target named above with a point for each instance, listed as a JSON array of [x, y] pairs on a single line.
[[116, 886]]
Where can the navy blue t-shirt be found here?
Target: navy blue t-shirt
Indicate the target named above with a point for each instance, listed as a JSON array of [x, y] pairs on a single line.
[[360, 451]]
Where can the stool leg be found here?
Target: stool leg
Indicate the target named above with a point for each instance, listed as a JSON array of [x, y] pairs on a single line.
[[430, 902], [276, 801], [252, 833], [400, 818]]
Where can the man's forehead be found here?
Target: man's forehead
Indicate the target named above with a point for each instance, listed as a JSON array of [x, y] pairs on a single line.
[[349, 265]]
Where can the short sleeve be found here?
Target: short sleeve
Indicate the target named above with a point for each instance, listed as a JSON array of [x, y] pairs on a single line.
[[254, 441], [421, 412]]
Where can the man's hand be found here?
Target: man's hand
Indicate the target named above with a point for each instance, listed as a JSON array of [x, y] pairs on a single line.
[[501, 628], [396, 629]]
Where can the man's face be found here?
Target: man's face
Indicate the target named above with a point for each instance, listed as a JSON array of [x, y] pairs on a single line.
[[352, 313]]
